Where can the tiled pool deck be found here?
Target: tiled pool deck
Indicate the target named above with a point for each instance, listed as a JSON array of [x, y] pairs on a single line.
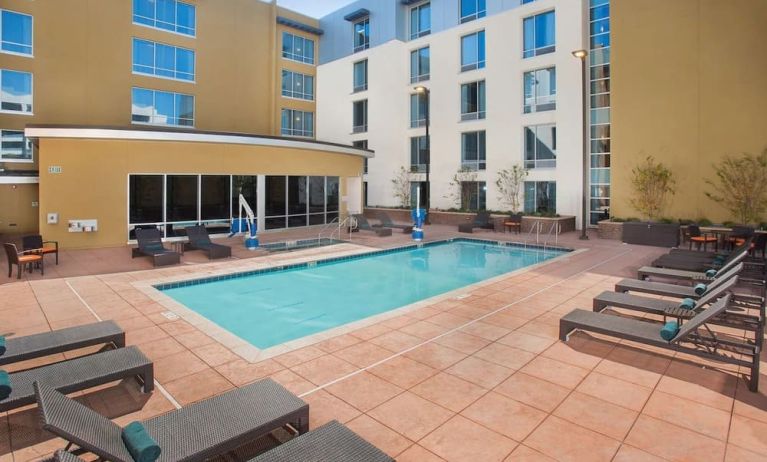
[[477, 377]]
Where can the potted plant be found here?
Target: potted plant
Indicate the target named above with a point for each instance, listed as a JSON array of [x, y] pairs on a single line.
[[401, 185], [742, 186], [653, 183]]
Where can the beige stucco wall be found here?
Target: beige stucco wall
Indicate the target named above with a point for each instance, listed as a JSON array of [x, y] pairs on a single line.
[[688, 87], [94, 179], [17, 213]]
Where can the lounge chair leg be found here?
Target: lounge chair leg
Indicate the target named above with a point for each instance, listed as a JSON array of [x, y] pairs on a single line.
[[147, 376]]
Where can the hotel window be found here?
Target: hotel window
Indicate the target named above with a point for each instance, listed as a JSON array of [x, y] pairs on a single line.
[[473, 150], [362, 35], [473, 51], [362, 144], [541, 146], [418, 108], [361, 75], [297, 48], [473, 195], [527, 1], [420, 20], [14, 146], [360, 116], [419, 65], [295, 85], [540, 90], [539, 35], [541, 197], [418, 150], [170, 15], [297, 123], [162, 108], [16, 94], [162, 60], [473, 100], [15, 33], [472, 9]]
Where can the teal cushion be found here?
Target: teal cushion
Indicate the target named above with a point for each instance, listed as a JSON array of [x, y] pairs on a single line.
[[710, 273], [5, 385], [700, 289], [719, 260], [669, 330], [140, 443], [2, 345], [687, 304]]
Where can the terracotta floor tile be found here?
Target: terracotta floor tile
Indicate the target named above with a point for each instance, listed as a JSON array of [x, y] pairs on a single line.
[[480, 372], [527, 342], [366, 333], [556, 372], [241, 372], [597, 415], [324, 369], [177, 365], [194, 340], [198, 386], [416, 453], [533, 391], [712, 388], [300, 356], [525, 454], [214, 354], [424, 330], [364, 391], [566, 442], [337, 343], [504, 415], [363, 354], [689, 414], [474, 443], [615, 391], [736, 454], [448, 391], [396, 341], [448, 320], [398, 322], [292, 381], [436, 356], [410, 415], [750, 404], [325, 407], [578, 352], [145, 335], [629, 454], [160, 348], [464, 343], [749, 434], [512, 358], [403, 372], [379, 435], [486, 331], [685, 444]]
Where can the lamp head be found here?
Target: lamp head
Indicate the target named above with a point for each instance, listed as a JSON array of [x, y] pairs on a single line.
[[580, 54], [421, 89]]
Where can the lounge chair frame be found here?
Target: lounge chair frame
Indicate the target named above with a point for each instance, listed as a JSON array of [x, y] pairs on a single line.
[[150, 245], [200, 240]]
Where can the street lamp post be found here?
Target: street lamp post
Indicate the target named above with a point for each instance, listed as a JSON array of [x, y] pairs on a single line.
[[582, 55], [427, 191]]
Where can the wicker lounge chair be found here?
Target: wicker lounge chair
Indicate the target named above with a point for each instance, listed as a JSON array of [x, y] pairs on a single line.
[[36, 242], [364, 225], [58, 341], [150, 245], [196, 432], [80, 374], [200, 240], [332, 442], [695, 276], [386, 222], [481, 220], [690, 338], [691, 262], [674, 290], [21, 259]]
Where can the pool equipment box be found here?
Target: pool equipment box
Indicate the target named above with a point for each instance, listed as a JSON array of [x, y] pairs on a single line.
[[83, 226]]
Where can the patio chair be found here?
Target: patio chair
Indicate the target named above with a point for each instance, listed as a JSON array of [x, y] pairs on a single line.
[[481, 220], [386, 222], [689, 262], [739, 234], [200, 240], [675, 290], [693, 337], [695, 276], [700, 239], [150, 245], [514, 223], [364, 225], [36, 242], [21, 259], [59, 341], [80, 374], [196, 432], [332, 442]]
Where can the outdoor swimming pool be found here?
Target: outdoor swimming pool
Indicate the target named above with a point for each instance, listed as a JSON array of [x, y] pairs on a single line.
[[271, 307]]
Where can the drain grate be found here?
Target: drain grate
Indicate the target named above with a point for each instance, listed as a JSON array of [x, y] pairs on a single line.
[[170, 315]]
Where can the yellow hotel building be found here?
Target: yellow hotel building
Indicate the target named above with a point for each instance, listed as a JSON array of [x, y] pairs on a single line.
[[159, 113]]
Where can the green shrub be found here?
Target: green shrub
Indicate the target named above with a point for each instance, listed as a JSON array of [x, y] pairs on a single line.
[[617, 220], [728, 224], [632, 219], [704, 222]]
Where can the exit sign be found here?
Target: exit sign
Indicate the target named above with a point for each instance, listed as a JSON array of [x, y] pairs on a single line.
[[55, 169]]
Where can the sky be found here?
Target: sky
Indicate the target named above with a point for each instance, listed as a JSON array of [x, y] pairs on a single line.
[[314, 8]]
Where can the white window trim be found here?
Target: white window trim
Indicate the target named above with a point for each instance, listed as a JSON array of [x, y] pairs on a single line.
[[535, 33], [476, 63], [292, 96], [534, 107], [471, 17], [32, 95], [360, 89], [358, 48], [25, 140], [419, 34], [536, 160], [154, 65], [420, 77], [314, 127], [133, 14], [479, 115], [153, 124], [31, 45]]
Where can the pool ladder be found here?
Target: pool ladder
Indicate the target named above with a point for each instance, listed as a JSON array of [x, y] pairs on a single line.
[[537, 228], [336, 227]]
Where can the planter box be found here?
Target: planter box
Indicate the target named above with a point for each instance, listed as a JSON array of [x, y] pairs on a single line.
[[657, 234], [566, 223], [610, 230]]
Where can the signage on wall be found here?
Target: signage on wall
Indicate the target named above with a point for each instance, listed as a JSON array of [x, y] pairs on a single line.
[[54, 169]]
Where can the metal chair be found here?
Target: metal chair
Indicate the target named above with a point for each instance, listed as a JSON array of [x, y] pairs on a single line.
[[20, 259]]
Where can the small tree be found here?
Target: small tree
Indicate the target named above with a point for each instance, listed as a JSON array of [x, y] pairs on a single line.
[[652, 182], [509, 184], [401, 185], [461, 188], [742, 186]]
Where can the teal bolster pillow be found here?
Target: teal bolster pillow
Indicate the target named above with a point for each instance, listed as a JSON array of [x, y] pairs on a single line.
[[139, 443], [2, 345], [710, 273], [700, 289], [719, 260], [669, 330], [687, 304], [5, 385]]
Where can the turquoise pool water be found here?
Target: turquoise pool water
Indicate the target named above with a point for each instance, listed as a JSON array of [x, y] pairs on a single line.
[[270, 308]]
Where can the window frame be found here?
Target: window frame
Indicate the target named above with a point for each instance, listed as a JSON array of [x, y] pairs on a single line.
[[421, 145], [292, 94], [293, 132], [26, 147], [420, 77], [154, 63], [477, 14], [536, 106], [481, 61], [358, 88], [480, 194], [480, 164], [420, 33], [362, 144], [31, 112], [535, 51], [421, 120], [31, 45], [366, 27], [291, 56], [363, 103], [481, 95], [537, 163], [175, 25], [535, 198], [154, 105]]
